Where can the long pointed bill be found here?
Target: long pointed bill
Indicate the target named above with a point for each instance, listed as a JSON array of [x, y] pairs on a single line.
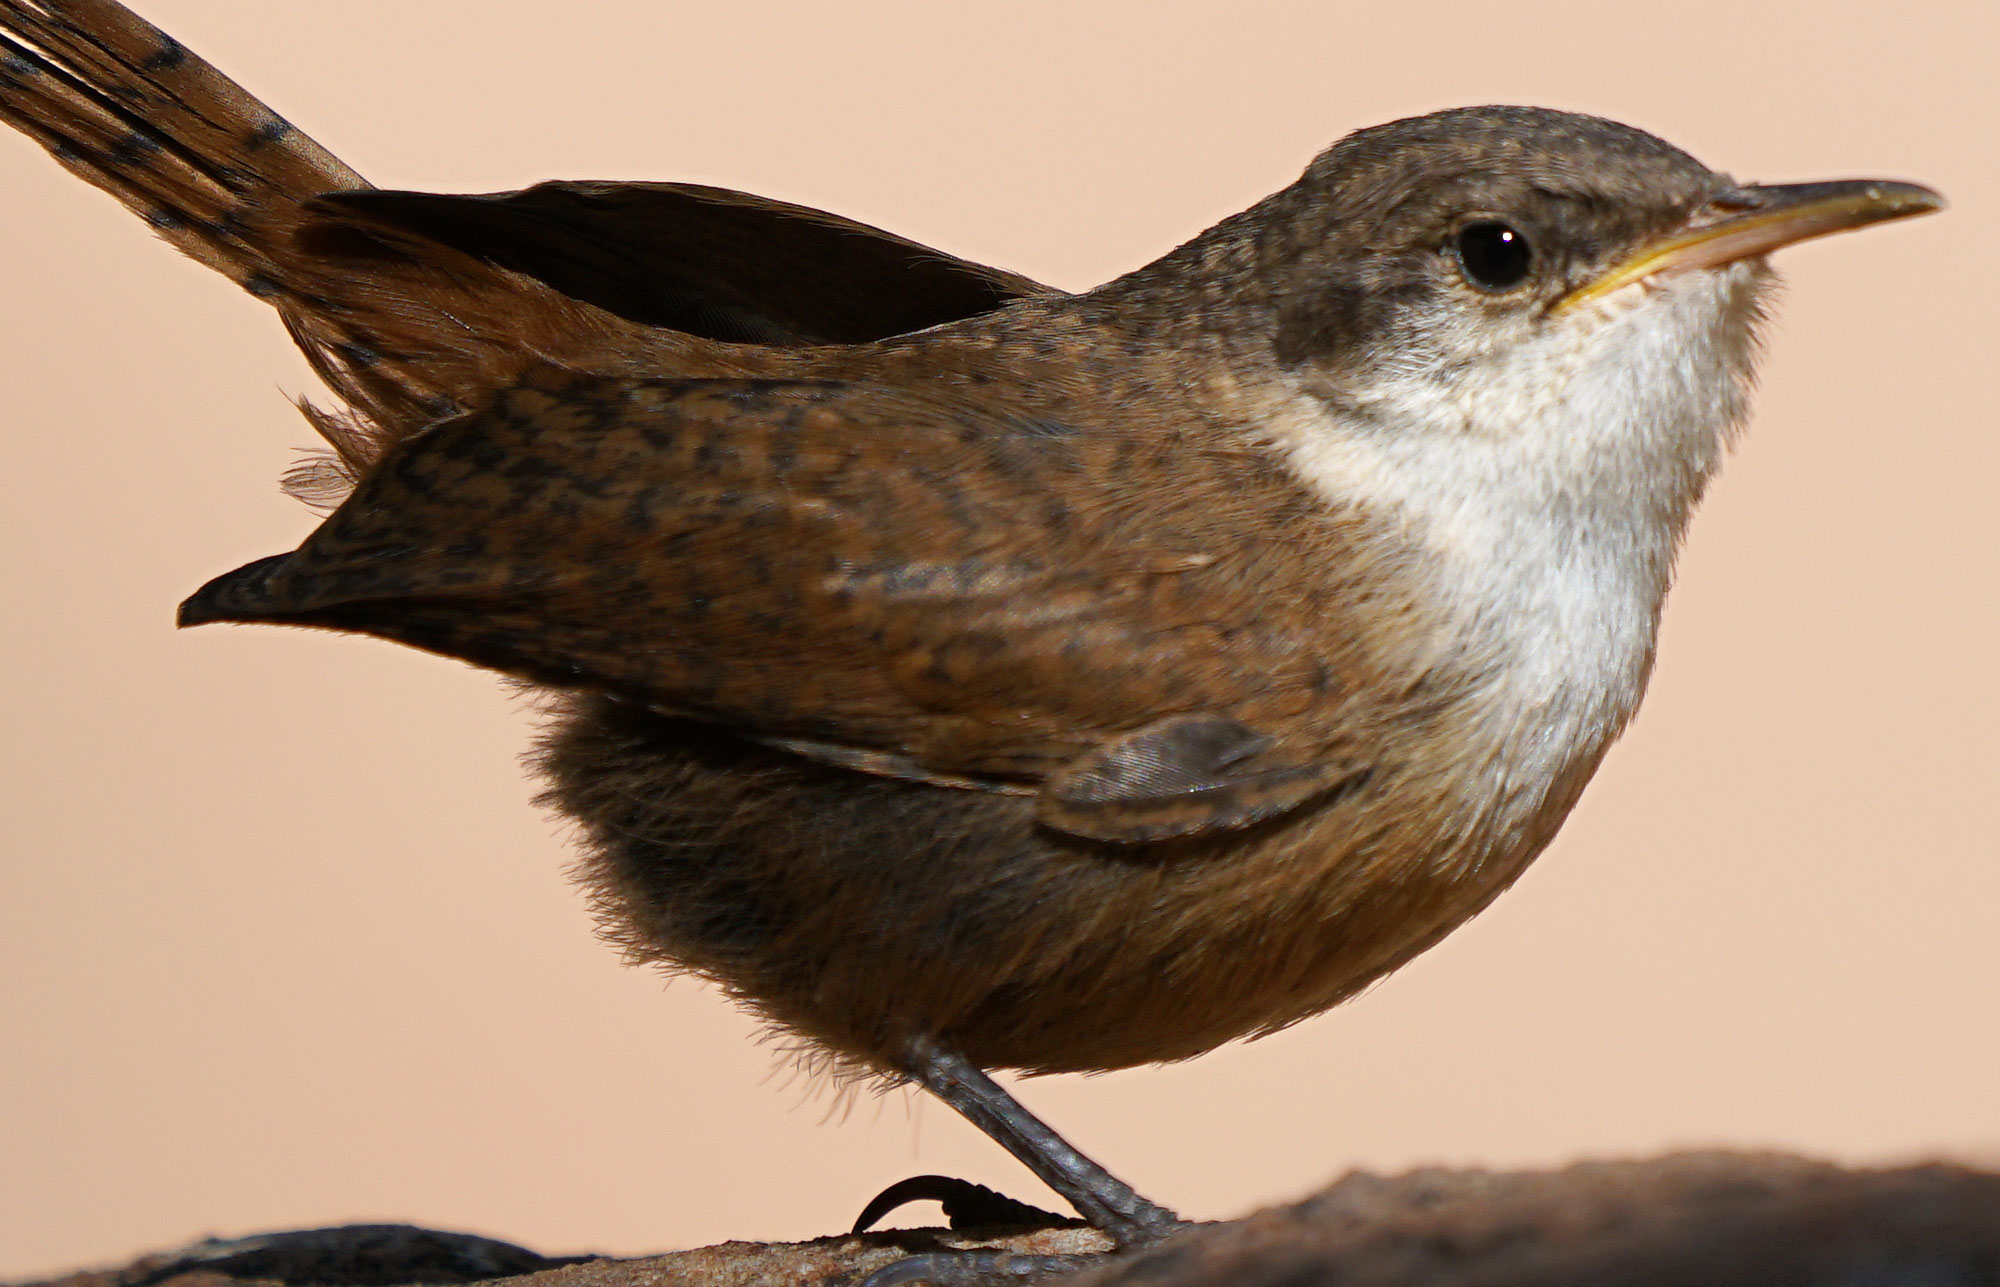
[[1758, 219]]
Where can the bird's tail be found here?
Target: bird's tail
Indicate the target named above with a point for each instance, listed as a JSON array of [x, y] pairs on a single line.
[[414, 307], [401, 328], [131, 110]]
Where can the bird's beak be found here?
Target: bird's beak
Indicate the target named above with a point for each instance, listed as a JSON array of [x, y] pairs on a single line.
[[1757, 219]]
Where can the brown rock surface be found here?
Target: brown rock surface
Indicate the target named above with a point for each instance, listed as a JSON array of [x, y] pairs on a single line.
[[1693, 1220]]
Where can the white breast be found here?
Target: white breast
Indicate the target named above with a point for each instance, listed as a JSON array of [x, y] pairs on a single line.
[[1547, 485]]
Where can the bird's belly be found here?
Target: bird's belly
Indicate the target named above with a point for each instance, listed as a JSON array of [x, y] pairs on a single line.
[[859, 911]]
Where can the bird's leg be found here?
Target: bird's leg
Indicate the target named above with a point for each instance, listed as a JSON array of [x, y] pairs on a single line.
[[1107, 1202], [1100, 1197]]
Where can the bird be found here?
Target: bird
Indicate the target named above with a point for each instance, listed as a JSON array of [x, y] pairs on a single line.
[[967, 675]]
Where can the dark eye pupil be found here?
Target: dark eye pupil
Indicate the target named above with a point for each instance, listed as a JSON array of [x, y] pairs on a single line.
[[1493, 255]]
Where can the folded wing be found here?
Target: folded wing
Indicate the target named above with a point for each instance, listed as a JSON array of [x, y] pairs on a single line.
[[902, 585]]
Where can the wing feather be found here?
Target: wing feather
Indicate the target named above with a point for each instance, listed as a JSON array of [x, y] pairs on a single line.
[[909, 586]]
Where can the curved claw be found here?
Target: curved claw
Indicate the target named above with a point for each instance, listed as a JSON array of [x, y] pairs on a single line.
[[1104, 1200], [966, 1205]]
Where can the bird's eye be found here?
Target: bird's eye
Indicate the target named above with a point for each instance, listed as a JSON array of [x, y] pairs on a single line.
[[1492, 255]]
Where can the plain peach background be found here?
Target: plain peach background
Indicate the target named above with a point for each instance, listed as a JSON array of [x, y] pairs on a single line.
[[283, 943]]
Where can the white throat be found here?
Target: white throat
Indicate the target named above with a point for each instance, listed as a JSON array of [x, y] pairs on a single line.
[[1546, 483]]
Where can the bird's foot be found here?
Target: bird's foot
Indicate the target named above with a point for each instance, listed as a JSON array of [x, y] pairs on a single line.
[[1106, 1203], [966, 1205]]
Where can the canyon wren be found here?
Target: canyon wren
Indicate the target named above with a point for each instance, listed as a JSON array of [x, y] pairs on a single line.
[[961, 673]]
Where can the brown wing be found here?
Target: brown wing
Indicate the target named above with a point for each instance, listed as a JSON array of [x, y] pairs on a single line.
[[905, 587]]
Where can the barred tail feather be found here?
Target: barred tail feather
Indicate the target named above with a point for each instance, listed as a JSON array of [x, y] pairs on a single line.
[[414, 307], [231, 183], [131, 110]]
